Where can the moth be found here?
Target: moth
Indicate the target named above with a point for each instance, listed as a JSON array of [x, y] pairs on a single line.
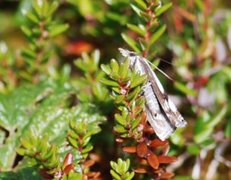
[[162, 113]]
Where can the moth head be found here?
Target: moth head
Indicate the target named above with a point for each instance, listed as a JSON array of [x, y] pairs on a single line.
[[127, 53], [124, 52]]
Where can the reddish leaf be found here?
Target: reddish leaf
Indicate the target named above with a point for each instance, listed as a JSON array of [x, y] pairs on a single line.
[[68, 168], [144, 118], [76, 48], [68, 159], [143, 161], [140, 170], [186, 14], [166, 175], [119, 140], [89, 163], [166, 159], [45, 175], [157, 142], [158, 171], [95, 157], [148, 129], [153, 161], [142, 150], [93, 175], [129, 149], [178, 21], [200, 82]]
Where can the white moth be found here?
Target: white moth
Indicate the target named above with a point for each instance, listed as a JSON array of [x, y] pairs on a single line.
[[162, 114]]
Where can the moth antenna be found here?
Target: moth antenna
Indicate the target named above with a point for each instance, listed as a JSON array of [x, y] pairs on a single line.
[[160, 71], [163, 60], [154, 56]]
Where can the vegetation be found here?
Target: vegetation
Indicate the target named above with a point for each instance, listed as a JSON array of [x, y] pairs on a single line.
[[71, 108]]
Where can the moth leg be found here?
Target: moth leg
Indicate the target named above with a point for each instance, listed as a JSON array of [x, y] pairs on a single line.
[[147, 86]]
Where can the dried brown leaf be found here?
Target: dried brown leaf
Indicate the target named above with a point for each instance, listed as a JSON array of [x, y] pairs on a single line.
[[142, 150], [153, 161]]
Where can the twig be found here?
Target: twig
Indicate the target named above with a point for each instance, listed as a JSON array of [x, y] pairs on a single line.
[[212, 169], [196, 172]]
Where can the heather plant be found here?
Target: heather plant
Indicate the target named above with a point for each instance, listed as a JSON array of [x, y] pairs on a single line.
[[72, 108]]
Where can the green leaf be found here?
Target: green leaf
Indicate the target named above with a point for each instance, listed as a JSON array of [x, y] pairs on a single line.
[[183, 88], [22, 174], [29, 54], [109, 82], [37, 7], [53, 7], [141, 4], [120, 169], [74, 176], [45, 7], [55, 30], [219, 117], [120, 129], [100, 92], [177, 138], [204, 135], [193, 149], [130, 42], [157, 35], [137, 80], [136, 9], [137, 29], [228, 128], [130, 176], [162, 9], [135, 123], [87, 149], [120, 119], [133, 94], [114, 66], [85, 7], [21, 110], [124, 69], [26, 31], [32, 17], [106, 69], [119, 99], [115, 175]]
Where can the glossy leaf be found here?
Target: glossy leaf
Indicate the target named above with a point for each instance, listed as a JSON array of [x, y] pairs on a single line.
[[109, 82], [162, 9], [55, 30], [142, 150], [157, 35], [228, 129], [183, 88], [141, 4], [166, 159], [130, 42], [153, 161], [137, 29]]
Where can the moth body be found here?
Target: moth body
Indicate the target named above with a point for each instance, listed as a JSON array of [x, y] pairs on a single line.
[[162, 113]]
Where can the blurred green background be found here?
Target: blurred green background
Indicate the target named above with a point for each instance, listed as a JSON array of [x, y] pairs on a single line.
[[195, 51]]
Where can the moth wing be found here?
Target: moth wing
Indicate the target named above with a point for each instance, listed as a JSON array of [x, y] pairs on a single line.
[[161, 127], [155, 116], [179, 122], [167, 105]]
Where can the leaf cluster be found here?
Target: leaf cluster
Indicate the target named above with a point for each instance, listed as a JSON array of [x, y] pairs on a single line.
[[126, 88], [148, 28], [41, 30], [120, 170], [39, 149]]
